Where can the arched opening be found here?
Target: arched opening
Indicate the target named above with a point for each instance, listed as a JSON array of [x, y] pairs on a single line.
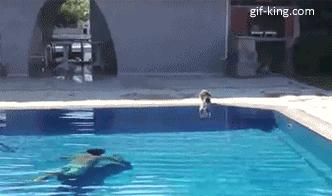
[[52, 32]]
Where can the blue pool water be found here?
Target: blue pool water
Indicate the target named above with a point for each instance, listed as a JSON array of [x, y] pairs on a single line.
[[235, 162]]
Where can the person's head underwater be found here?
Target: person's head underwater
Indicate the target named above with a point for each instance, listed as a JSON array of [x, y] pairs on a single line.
[[96, 151]]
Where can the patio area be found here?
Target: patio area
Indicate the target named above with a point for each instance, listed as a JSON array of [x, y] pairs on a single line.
[[307, 104], [156, 87]]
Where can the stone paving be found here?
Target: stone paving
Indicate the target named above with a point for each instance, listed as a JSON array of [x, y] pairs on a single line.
[[153, 90], [150, 87]]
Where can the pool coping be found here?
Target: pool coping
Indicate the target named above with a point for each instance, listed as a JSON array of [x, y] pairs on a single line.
[[313, 123]]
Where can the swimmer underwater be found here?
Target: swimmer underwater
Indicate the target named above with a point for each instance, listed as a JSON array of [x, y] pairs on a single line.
[[79, 165]]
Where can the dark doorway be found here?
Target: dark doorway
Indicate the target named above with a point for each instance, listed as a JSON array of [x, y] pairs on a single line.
[[272, 55], [49, 19], [269, 33]]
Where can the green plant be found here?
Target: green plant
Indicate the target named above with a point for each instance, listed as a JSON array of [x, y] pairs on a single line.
[[76, 10]]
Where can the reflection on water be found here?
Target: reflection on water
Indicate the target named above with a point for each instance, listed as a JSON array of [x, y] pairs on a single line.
[[3, 119], [133, 120]]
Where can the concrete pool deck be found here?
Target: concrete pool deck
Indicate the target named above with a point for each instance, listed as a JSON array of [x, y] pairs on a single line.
[[306, 104]]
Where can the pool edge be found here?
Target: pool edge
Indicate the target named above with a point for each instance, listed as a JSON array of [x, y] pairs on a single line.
[[313, 123]]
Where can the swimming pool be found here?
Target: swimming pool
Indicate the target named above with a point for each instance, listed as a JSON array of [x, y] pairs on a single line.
[[238, 151]]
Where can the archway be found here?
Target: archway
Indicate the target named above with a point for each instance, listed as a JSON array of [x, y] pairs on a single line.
[[104, 55]]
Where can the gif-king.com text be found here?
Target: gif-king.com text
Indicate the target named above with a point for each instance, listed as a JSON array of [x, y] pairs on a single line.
[[275, 11]]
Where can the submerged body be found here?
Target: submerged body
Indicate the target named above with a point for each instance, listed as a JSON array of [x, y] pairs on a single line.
[[79, 165], [6, 148]]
